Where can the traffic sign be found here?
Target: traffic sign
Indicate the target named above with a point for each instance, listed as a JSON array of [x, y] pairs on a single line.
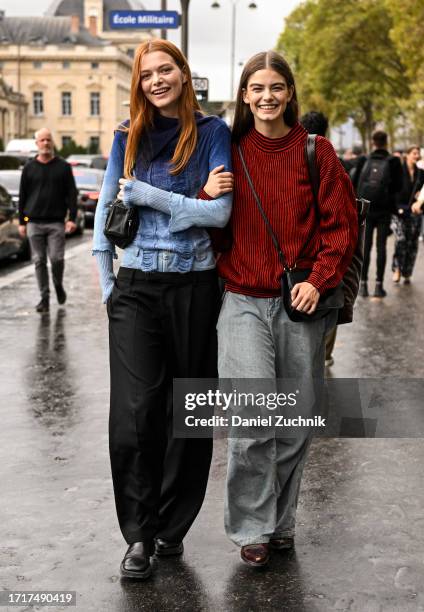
[[144, 19], [201, 88]]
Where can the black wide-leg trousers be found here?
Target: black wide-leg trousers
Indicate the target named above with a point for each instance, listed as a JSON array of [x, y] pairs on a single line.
[[161, 326]]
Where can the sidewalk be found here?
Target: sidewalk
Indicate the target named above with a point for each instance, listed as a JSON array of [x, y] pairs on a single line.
[[360, 539]]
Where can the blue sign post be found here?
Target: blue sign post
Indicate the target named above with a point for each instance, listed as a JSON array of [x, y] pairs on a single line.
[[144, 19]]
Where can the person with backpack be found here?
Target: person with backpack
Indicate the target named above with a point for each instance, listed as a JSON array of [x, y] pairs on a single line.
[[378, 178], [406, 222], [259, 334]]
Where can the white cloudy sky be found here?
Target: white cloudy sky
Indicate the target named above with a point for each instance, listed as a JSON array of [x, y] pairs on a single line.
[[209, 33]]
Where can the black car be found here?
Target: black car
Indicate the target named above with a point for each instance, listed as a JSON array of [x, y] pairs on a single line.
[[89, 182], [11, 242]]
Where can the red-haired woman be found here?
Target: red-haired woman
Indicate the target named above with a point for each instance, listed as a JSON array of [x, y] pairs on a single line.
[[164, 303], [256, 337]]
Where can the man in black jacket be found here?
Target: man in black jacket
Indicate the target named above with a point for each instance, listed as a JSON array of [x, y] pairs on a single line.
[[378, 177], [47, 192]]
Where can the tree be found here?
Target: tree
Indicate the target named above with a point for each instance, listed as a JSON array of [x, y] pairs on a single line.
[[71, 148], [345, 60], [407, 34]]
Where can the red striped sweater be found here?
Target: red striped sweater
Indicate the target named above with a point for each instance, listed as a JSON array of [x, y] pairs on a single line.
[[280, 176]]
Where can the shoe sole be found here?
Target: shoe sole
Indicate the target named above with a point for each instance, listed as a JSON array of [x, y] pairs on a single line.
[[136, 575], [254, 564], [173, 552]]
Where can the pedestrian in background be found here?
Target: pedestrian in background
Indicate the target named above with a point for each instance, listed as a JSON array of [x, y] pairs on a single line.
[[406, 224], [47, 194], [163, 305], [378, 177], [256, 337]]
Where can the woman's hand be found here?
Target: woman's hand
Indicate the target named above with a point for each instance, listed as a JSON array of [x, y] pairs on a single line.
[[219, 182], [305, 297], [417, 208], [122, 183]]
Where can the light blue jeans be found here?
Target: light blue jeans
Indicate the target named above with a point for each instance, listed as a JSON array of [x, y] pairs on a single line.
[[256, 339]]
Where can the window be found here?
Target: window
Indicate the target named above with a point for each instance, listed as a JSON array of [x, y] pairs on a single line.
[[66, 64], [37, 64], [38, 103], [66, 140], [94, 65], [66, 103], [93, 145], [94, 103]]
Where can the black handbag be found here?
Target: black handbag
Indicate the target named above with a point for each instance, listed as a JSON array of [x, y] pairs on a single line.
[[121, 224], [331, 300]]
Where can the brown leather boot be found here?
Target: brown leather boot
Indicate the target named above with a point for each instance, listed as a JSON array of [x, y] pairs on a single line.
[[255, 555]]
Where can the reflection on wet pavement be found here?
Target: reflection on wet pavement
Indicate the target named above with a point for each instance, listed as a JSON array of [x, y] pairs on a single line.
[[360, 528], [48, 375]]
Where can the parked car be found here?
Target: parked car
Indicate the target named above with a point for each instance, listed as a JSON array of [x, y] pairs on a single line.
[[10, 180], [13, 161], [89, 182], [99, 162], [26, 146], [11, 242]]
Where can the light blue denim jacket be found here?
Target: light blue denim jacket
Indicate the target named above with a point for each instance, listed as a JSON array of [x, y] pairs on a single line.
[[170, 237]]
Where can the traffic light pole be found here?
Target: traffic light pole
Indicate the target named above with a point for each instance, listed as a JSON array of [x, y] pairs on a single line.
[[164, 31], [184, 26]]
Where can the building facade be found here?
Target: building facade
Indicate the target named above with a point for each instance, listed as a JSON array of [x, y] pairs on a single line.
[[13, 112], [73, 78]]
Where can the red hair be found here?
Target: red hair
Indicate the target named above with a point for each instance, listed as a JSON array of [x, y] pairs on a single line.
[[142, 111]]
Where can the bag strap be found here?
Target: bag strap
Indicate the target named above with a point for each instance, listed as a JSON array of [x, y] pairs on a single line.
[[261, 210], [313, 178], [310, 151]]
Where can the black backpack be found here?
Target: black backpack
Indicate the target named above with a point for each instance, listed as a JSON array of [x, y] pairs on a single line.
[[374, 181]]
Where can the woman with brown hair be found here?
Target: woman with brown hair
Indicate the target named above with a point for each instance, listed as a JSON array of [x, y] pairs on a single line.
[[256, 336], [164, 303], [406, 223]]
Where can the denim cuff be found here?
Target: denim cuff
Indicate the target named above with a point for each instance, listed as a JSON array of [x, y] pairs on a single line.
[[107, 277]]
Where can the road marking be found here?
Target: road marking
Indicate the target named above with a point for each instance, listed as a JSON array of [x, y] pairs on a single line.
[[28, 270]]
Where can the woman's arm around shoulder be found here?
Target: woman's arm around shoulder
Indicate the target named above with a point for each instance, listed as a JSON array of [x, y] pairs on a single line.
[[186, 212]]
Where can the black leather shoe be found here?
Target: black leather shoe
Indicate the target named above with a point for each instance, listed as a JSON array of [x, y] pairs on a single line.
[[163, 548], [43, 307], [60, 294], [379, 291], [136, 563], [363, 289]]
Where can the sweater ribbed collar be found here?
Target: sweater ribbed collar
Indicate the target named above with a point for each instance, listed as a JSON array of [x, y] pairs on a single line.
[[273, 145]]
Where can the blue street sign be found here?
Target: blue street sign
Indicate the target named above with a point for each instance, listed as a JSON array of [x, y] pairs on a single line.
[[144, 19]]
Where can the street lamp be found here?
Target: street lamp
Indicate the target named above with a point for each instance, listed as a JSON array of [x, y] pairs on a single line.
[[216, 5]]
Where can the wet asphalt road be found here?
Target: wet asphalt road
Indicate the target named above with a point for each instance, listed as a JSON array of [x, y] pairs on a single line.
[[360, 534]]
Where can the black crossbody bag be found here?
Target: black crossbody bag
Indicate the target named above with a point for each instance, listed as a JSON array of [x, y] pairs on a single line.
[[330, 301], [121, 224]]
